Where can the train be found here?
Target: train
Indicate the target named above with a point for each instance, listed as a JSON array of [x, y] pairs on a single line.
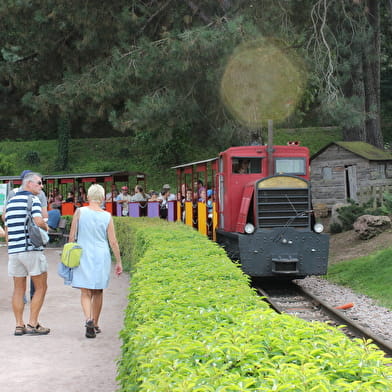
[[73, 181], [262, 209], [257, 205]]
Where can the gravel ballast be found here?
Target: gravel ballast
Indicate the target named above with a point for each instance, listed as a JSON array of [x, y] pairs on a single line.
[[365, 311]]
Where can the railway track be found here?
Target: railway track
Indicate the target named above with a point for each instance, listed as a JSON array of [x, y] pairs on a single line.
[[295, 300]]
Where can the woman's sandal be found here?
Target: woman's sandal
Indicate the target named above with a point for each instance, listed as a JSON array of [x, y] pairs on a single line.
[[19, 330], [97, 329], [90, 330]]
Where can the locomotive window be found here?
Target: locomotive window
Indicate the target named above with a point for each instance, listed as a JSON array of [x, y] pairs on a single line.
[[246, 165], [290, 166]]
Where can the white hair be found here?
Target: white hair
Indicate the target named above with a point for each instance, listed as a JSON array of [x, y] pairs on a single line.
[[96, 193]]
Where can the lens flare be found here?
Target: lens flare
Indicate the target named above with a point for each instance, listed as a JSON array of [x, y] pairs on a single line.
[[261, 83]]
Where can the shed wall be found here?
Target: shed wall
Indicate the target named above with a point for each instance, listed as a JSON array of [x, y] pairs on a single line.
[[334, 189]]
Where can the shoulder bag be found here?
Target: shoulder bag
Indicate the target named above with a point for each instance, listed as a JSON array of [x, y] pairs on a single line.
[[38, 237], [72, 251]]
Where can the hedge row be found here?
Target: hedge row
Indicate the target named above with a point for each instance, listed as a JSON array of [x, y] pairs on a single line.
[[194, 324]]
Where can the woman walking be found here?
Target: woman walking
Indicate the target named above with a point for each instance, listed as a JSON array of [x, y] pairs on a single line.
[[94, 230]]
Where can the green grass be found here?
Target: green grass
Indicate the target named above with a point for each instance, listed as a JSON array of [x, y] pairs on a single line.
[[369, 275], [120, 153], [85, 155]]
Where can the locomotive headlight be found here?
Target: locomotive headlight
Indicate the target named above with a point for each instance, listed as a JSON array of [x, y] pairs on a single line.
[[318, 228], [249, 228]]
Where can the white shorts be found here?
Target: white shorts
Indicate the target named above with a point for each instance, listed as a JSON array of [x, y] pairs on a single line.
[[27, 263]]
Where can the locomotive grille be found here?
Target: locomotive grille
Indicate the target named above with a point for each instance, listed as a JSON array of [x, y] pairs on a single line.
[[283, 207]]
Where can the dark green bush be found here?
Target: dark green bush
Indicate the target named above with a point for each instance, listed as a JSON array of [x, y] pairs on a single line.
[[349, 214], [32, 158], [335, 228], [386, 208]]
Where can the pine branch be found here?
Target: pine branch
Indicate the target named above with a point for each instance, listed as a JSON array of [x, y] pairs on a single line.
[[390, 4], [196, 9], [157, 12]]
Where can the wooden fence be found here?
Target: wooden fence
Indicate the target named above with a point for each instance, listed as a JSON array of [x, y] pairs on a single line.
[[374, 193]]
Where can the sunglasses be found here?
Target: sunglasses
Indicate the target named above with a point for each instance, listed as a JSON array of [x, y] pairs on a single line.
[[38, 182]]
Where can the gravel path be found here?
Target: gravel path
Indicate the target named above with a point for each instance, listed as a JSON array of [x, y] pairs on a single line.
[[65, 360], [365, 311]]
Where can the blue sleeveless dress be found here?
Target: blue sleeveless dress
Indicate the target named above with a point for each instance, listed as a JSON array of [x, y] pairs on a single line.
[[95, 263]]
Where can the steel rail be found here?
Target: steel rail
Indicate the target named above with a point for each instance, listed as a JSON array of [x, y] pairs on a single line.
[[336, 315], [354, 327]]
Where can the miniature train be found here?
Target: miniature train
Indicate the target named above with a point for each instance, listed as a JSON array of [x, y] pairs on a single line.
[[262, 212]]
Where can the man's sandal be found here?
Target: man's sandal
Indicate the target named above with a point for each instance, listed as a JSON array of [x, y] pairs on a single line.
[[37, 330], [20, 330]]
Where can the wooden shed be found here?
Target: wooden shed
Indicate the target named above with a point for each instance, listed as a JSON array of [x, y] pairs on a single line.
[[350, 170]]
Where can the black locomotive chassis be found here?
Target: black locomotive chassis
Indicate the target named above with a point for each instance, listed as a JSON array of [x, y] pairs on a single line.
[[279, 252]]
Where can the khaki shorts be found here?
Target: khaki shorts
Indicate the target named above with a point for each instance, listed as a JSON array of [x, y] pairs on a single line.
[[27, 263]]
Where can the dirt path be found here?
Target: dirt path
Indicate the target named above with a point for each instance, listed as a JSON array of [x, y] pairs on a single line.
[[347, 246], [65, 360]]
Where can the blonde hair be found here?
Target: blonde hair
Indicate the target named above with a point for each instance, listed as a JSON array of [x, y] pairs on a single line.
[[96, 193]]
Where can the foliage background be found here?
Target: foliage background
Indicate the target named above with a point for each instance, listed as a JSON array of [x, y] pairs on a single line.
[[112, 154], [150, 70]]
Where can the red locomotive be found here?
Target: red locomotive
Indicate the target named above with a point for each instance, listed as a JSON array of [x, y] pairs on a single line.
[[262, 213]]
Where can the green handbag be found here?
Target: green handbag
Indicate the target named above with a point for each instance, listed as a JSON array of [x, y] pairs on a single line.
[[72, 252]]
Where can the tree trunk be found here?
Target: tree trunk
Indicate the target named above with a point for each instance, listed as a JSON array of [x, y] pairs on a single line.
[[64, 134], [371, 76], [354, 88]]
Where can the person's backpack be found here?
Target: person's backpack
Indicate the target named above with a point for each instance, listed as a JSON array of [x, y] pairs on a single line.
[[38, 237]]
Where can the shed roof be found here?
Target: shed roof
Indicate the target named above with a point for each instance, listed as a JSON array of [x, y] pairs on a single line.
[[364, 150]]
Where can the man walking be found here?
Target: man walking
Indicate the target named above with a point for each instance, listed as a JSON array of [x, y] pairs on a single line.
[[24, 258], [44, 213]]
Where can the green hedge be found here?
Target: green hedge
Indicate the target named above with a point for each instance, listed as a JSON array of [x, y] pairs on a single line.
[[194, 324]]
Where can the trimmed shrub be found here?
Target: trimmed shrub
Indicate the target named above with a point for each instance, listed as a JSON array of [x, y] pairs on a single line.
[[194, 324]]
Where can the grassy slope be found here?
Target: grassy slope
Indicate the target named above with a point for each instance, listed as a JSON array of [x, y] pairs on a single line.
[[85, 155], [110, 154], [369, 275]]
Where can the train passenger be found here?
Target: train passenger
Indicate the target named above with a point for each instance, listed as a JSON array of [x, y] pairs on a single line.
[[111, 196], [210, 193], [81, 195], [124, 198], [198, 186], [70, 197], [243, 166], [170, 196], [55, 197], [203, 196], [153, 196], [188, 198], [54, 215], [139, 194], [163, 208]]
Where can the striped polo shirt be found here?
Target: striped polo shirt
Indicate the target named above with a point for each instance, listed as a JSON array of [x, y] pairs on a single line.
[[15, 217]]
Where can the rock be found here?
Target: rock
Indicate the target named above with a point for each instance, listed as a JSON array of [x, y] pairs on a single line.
[[368, 226]]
